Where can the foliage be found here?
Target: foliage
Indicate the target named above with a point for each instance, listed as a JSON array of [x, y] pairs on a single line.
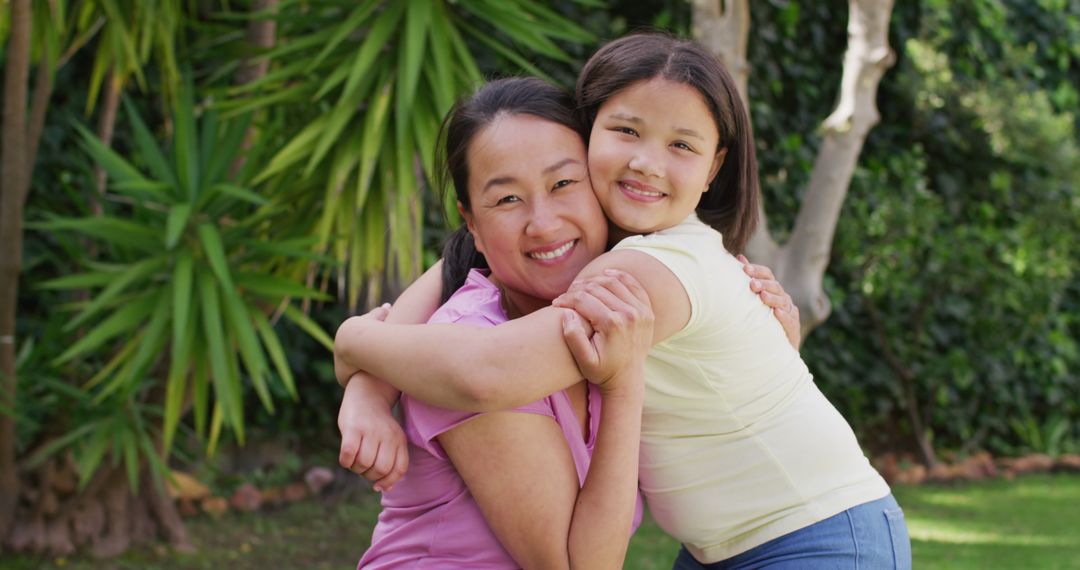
[[186, 277], [953, 273], [370, 83]]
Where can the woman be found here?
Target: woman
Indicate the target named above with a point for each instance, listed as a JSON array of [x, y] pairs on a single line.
[[517, 488]]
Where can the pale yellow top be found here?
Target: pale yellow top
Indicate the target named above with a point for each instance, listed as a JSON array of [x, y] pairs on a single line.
[[738, 446]]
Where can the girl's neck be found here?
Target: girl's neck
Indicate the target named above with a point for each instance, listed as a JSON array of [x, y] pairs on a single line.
[[617, 234]]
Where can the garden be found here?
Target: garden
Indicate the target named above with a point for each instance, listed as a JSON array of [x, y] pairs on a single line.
[[193, 195]]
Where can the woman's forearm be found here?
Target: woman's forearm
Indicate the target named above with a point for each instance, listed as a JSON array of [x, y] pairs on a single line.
[[604, 512]]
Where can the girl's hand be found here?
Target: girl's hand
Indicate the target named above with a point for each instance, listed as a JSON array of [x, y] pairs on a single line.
[[342, 369], [764, 283], [618, 311], [373, 445]]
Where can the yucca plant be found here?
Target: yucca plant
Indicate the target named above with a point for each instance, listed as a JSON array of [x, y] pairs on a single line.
[[185, 288], [369, 83]]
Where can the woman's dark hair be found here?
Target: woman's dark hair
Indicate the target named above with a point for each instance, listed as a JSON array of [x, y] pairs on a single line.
[[731, 204], [510, 96]]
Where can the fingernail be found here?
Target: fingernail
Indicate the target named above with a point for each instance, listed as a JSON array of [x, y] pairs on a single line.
[[610, 271]]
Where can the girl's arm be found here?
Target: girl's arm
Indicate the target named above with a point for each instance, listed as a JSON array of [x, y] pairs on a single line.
[[520, 471], [373, 444], [487, 369]]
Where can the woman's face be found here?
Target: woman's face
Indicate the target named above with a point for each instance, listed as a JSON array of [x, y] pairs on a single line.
[[652, 154], [534, 215]]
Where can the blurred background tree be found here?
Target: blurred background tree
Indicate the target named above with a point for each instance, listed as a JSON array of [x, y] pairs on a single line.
[[274, 160]]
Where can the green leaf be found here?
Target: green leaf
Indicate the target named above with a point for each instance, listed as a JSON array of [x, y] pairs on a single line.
[[295, 150], [185, 153], [89, 459], [309, 326], [232, 146], [277, 353], [86, 280], [135, 273], [239, 193], [176, 382], [224, 377], [175, 223], [250, 350], [347, 28], [215, 254], [148, 148], [276, 288], [60, 443], [131, 459], [417, 21], [124, 320], [151, 345], [374, 44], [200, 387], [117, 232], [118, 168]]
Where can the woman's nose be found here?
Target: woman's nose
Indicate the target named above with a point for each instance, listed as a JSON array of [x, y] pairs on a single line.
[[543, 219]]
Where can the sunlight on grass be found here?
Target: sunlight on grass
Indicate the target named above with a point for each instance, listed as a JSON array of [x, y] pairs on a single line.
[[941, 531]]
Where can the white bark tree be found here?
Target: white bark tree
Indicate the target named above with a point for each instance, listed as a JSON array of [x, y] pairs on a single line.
[[800, 263]]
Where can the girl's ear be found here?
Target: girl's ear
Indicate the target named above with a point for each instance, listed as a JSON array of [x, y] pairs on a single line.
[[718, 161]]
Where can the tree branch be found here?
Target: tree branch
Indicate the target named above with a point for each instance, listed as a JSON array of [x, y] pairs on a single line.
[[805, 256]]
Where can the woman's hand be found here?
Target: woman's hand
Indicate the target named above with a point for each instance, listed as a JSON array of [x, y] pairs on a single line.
[[610, 328], [346, 332], [764, 283], [373, 445]]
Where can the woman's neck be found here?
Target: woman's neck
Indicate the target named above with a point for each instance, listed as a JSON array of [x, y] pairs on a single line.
[[515, 303]]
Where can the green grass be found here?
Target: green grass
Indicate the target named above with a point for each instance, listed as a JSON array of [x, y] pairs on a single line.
[[1032, 522]]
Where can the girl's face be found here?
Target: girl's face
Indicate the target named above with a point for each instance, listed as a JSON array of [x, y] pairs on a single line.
[[534, 215], [652, 154]]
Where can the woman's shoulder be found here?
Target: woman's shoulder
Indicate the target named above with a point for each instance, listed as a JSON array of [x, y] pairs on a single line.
[[476, 302]]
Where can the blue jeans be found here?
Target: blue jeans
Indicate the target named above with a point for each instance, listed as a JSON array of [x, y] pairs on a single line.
[[867, 537]]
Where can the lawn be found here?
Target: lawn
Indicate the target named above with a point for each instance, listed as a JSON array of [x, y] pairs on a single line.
[[1032, 522]]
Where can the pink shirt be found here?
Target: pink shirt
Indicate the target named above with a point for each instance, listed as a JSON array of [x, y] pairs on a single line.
[[429, 519]]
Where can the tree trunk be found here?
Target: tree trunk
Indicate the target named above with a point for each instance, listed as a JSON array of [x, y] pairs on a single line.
[[14, 184], [261, 35], [105, 519], [110, 104], [801, 262]]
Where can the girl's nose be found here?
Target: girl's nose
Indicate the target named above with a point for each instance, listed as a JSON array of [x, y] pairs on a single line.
[[643, 162]]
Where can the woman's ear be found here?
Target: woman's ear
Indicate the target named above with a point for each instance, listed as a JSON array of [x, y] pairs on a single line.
[[468, 217]]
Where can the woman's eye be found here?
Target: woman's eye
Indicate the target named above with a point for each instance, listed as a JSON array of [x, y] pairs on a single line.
[[683, 146], [508, 200], [562, 184], [625, 131]]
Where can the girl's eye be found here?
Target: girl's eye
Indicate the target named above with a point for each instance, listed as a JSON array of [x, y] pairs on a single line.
[[625, 131], [683, 146], [563, 184], [508, 199]]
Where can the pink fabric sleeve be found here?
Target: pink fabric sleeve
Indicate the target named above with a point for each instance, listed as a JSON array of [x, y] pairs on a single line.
[[426, 422]]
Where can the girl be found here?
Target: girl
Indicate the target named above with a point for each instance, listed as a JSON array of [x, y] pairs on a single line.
[[742, 458], [476, 496]]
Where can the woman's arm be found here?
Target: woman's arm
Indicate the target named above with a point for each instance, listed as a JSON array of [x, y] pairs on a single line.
[[520, 471], [487, 369]]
